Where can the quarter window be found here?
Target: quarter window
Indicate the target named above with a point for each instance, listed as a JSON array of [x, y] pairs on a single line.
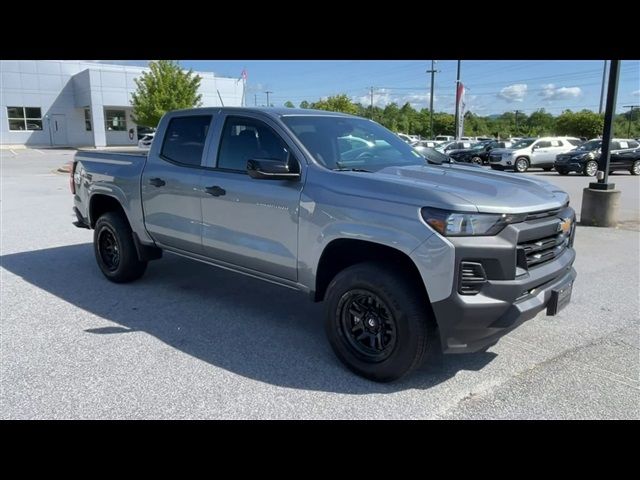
[[115, 120], [24, 118], [184, 139]]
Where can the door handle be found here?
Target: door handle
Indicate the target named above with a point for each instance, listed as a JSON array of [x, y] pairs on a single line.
[[157, 182], [216, 191]]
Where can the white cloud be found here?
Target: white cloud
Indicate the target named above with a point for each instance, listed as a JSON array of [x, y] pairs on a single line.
[[383, 97], [514, 93], [551, 92], [636, 93]]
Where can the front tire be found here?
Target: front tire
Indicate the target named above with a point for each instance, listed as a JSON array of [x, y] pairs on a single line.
[[635, 168], [376, 321], [590, 168], [521, 165], [547, 169], [114, 249], [562, 171]]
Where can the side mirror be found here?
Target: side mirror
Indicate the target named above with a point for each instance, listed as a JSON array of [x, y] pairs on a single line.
[[263, 169]]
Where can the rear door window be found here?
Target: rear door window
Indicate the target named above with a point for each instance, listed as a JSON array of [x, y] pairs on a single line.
[[184, 140]]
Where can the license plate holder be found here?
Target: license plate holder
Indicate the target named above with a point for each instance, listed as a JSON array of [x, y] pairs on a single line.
[[560, 298]]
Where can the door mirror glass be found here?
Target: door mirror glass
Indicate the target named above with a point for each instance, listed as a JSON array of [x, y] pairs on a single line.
[[265, 169]]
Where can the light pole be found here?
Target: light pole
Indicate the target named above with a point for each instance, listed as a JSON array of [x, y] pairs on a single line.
[[268, 92]]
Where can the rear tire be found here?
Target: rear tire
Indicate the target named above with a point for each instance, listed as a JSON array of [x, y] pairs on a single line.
[[635, 168], [476, 160], [521, 165], [376, 321], [114, 249]]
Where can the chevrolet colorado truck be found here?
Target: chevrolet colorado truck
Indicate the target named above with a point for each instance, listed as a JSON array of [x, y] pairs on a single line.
[[400, 248]]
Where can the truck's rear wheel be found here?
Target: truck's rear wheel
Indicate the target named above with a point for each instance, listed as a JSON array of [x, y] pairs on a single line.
[[114, 249], [376, 321]]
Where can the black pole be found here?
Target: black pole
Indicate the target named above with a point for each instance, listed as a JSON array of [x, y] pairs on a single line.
[[605, 157], [604, 77], [457, 102]]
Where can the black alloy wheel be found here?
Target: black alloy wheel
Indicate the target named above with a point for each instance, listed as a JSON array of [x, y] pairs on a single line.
[[367, 324]]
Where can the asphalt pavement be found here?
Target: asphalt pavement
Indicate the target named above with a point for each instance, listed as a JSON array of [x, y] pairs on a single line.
[[192, 341]]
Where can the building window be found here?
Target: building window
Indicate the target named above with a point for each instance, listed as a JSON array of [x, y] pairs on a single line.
[[24, 118], [87, 119], [116, 120]]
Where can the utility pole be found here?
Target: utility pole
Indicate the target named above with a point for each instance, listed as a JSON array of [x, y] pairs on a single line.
[[457, 119], [604, 78], [432, 72], [371, 88], [517, 112], [268, 92], [255, 99], [632, 107]]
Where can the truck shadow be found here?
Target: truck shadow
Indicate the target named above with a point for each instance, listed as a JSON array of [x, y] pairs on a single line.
[[248, 327]]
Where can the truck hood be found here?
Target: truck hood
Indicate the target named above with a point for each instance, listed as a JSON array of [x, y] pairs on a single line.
[[468, 188]]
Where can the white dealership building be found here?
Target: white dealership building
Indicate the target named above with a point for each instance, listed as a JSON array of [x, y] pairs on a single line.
[[78, 103]]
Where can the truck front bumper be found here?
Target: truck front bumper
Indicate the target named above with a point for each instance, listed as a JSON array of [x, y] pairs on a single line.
[[520, 269], [473, 323]]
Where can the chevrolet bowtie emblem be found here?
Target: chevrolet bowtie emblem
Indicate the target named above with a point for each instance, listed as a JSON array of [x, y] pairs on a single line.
[[565, 226]]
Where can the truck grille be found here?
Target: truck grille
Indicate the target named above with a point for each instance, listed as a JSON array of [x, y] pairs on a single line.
[[543, 250]]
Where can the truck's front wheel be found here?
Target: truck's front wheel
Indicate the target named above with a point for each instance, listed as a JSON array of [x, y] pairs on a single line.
[[376, 321], [114, 249]]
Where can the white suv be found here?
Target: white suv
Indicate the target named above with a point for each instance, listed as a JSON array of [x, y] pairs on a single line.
[[532, 152]]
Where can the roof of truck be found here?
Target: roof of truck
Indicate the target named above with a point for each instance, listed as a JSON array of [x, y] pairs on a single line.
[[271, 111]]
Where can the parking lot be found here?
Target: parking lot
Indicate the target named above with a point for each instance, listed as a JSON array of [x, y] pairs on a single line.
[[191, 341]]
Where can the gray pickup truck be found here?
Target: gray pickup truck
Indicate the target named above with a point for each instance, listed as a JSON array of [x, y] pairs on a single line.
[[403, 249]]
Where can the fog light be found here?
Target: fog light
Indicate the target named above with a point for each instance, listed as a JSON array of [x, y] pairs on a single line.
[[508, 162], [471, 278]]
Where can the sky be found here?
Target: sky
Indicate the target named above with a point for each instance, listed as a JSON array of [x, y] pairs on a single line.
[[492, 87]]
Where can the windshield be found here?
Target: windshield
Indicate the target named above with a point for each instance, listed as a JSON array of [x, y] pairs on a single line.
[[377, 148], [590, 145], [524, 143]]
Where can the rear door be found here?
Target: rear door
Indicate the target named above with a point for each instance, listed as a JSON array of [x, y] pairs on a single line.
[[542, 152], [247, 222], [171, 191]]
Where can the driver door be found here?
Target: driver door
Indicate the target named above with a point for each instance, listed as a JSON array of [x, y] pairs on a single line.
[[247, 222]]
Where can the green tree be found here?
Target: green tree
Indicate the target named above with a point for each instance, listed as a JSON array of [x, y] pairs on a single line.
[[338, 103], [580, 124], [164, 88], [304, 104], [541, 123], [289, 104]]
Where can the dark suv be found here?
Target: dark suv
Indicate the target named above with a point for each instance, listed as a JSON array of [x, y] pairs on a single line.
[[625, 155], [478, 153]]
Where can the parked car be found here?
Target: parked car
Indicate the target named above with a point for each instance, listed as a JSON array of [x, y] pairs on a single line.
[[532, 152], [445, 138], [458, 145], [425, 143], [145, 142], [477, 153], [405, 137], [398, 247], [584, 159], [144, 131]]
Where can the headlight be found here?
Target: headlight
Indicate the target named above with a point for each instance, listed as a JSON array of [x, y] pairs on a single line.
[[461, 224]]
